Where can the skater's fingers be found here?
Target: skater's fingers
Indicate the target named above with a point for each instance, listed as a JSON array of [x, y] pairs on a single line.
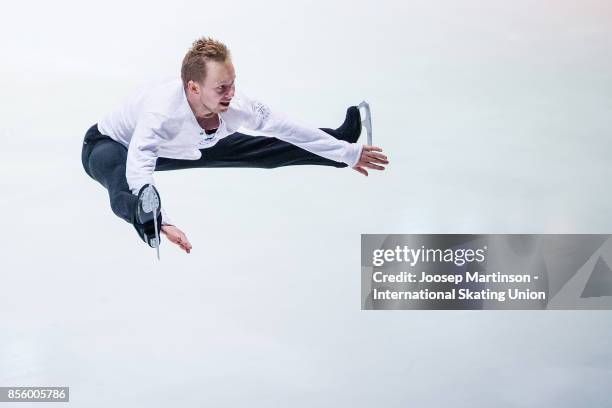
[[377, 155], [373, 166], [373, 159], [361, 170], [185, 244], [378, 161], [372, 148], [182, 241]]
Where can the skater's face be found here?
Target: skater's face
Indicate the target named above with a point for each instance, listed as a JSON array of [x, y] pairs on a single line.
[[217, 90]]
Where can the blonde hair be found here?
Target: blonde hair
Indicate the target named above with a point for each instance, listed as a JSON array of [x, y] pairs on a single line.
[[194, 64]]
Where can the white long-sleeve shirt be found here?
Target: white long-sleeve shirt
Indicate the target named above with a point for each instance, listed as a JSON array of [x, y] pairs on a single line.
[[158, 122]]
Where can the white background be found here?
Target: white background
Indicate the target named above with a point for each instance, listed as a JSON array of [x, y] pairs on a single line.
[[496, 117]]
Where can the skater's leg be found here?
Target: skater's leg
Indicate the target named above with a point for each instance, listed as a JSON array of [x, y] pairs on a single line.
[[350, 130], [105, 163], [239, 150]]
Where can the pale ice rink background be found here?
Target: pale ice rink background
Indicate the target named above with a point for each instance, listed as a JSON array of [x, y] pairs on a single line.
[[496, 116]]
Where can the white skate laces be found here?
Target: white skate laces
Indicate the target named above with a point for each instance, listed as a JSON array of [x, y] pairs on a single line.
[[367, 121]]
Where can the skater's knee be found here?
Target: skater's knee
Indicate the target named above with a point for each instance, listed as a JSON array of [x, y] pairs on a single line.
[[108, 154]]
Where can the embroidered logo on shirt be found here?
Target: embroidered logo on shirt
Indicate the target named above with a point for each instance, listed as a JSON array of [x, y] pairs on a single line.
[[205, 139], [261, 110]]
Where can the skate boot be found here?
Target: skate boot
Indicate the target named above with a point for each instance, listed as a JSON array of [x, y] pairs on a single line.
[[147, 219], [350, 130]]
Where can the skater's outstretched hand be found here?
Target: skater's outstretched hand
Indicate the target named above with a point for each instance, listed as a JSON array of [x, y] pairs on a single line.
[[177, 236], [371, 158]]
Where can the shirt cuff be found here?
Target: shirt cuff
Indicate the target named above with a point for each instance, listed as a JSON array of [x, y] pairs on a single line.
[[358, 149], [165, 219]]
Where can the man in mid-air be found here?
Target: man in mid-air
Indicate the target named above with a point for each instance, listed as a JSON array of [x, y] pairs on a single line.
[[192, 122]]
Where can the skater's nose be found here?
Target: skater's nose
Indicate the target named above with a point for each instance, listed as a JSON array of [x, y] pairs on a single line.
[[230, 93]]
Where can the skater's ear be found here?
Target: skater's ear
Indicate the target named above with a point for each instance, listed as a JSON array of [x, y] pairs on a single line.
[[193, 87]]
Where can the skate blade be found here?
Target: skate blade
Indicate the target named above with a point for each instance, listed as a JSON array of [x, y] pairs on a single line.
[[156, 239], [154, 243], [367, 121]]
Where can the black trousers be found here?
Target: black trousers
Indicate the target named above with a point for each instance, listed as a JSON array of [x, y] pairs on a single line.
[[104, 160]]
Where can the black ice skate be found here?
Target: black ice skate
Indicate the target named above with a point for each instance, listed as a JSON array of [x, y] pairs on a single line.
[[147, 219], [350, 130]]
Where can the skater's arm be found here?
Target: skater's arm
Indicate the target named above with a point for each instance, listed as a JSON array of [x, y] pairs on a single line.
[[263, 119], [142, 154]]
